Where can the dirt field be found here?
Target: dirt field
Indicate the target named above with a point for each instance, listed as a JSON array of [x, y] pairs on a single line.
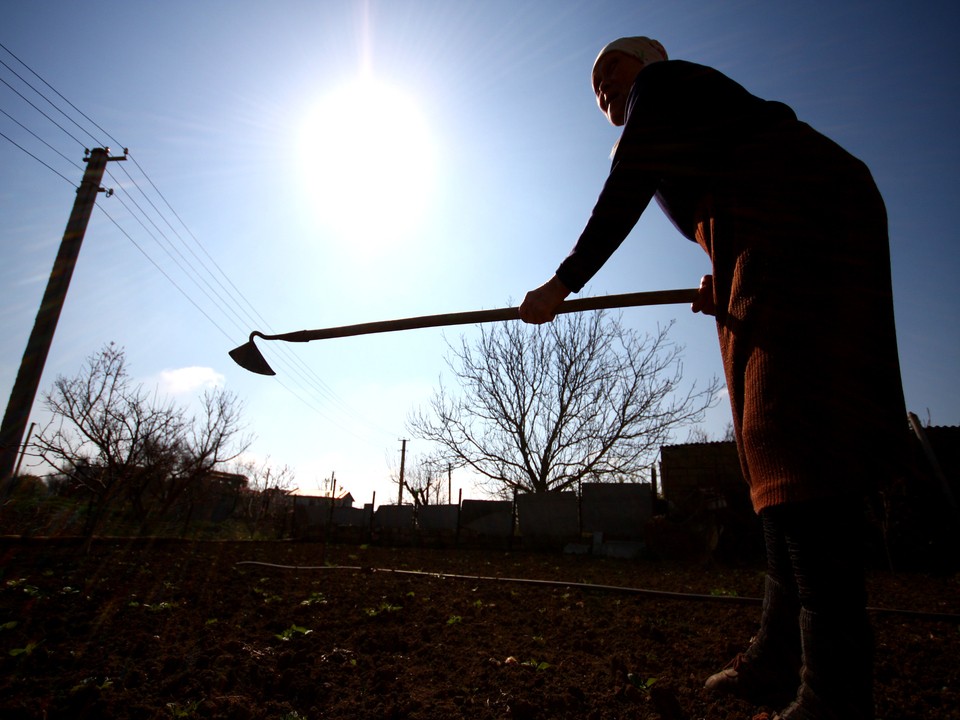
[[193, 630]]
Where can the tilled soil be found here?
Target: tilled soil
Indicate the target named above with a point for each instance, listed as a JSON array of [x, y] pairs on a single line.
[[165, 629]]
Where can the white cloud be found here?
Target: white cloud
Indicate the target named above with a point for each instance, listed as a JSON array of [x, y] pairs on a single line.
[[189, 379]]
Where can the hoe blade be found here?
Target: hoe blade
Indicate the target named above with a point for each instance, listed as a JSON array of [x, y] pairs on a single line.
[[249, 357]]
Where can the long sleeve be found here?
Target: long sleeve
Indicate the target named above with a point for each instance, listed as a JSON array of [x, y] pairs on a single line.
[[625, 195], [683, 124]]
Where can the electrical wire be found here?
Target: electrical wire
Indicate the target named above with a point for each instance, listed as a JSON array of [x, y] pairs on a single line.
[[24, 98], [229, 300], [21, 147], [24, 127], [52, 104], [164, 272]]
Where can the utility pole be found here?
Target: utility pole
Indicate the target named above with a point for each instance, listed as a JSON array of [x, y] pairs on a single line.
[[23, 450], [403, 458], [38, 346]]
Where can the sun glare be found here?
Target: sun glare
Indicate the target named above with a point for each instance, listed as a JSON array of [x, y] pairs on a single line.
[[369, 163]]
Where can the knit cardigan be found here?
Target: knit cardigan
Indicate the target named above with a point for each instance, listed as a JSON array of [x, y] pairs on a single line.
[[796, 231]]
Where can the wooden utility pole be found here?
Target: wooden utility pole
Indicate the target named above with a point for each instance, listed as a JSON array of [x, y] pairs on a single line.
[[38, 346], [23, 450], [403, 458]]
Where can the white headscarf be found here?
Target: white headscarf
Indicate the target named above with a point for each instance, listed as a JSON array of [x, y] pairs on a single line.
[[642, 48]]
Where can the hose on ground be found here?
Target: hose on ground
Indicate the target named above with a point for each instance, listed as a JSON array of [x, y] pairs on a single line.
[[644, 592]]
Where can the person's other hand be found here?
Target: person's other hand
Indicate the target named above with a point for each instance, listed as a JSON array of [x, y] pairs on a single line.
[[704, 302], [540, 305]]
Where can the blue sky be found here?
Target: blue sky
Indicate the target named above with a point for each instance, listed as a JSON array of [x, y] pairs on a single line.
[[503, 154]]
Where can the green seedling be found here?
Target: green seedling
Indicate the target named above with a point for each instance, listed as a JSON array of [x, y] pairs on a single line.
[[161, 606], [31, 590], [292, 632], [268, 597], [454, 620], [723, 592], [27, 650], [9, 625], [640, 684], [385, 607], [105, 685], [537, 665], [185, 711], [316, 598]]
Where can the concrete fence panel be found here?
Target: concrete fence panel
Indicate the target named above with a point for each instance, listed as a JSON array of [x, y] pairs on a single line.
[[548, 519], [394, 517], [618, 511], [487, 518], [438, 517]]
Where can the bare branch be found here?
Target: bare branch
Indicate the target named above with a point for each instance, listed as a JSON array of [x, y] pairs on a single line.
[[543, 407]]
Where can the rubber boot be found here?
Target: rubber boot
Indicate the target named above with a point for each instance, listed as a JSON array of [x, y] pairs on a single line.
[[836, 680], [768, 671]]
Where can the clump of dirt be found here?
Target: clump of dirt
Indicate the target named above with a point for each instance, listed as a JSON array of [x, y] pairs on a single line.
[[161, 629]]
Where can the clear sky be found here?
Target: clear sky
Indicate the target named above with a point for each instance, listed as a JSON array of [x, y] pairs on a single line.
[[460, 152]]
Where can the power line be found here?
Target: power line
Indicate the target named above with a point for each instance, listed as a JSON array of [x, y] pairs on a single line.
[[24, 127], [231, 302], [18, 145], [164, 273], [10, 52], [24, 98]]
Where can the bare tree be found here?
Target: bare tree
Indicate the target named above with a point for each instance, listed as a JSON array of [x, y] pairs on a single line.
[[110, 438], [421, 475], [542, 408], [104, 433], [209, 441], [698, 435], [424, 478], [266, 485]]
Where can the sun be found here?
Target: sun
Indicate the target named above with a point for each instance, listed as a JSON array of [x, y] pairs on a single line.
[[369, 163]]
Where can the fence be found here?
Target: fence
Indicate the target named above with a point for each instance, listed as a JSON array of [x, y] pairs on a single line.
[[604, 518]]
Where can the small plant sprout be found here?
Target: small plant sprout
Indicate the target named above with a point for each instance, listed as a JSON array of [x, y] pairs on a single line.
[[639, 683], [454, 620], [183, 711], [537, 665], [723, 592], [160, 606], [26, 650], [105, 684], [292, 632], [316, 598], [385, 607]]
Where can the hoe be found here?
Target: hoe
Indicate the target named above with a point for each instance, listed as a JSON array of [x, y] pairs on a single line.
[[248, 356]]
